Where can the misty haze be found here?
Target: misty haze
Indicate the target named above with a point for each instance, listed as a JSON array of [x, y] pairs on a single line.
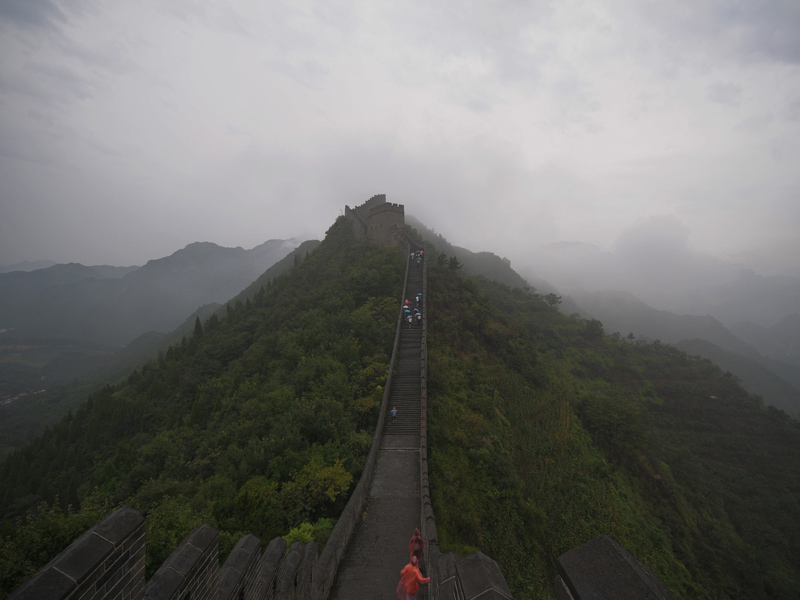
[[209, 212]]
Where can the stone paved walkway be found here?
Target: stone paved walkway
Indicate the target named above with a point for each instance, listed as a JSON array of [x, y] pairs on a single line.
[[379, 548]]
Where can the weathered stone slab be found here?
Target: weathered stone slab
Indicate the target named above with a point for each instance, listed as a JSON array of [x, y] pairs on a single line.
[[481, 576], [603, 570], [117, 526], [48, 584]]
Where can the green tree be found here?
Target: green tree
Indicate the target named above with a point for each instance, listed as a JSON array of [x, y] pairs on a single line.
[[198, 328], [552, 299]]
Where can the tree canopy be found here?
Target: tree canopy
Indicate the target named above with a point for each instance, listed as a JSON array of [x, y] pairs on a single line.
[[259, 422]]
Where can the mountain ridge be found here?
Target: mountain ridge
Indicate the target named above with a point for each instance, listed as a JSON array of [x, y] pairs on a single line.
[[625, 313], [77, 302]]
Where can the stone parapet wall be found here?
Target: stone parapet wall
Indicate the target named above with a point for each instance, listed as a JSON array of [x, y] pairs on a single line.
[[192, 570], [238, 577], [431, 553], [386, 207], [360, 227], [107, 562], [269, 570], [469, 578], [601, 569]]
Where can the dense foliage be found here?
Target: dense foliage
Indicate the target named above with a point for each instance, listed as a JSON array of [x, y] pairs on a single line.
[[546, 432], [41, 380], [259, 422]]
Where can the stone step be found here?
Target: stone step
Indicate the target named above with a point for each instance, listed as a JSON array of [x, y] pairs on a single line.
[[371, 566]]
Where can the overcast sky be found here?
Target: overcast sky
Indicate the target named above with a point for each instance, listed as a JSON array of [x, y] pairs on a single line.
[[130, 129]]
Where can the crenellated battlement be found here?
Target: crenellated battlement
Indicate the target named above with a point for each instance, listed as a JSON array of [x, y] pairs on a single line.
[[378, 220]]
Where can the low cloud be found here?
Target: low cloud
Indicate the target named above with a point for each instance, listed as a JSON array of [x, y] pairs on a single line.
[[652, 259], [729, 94], [31, 14]]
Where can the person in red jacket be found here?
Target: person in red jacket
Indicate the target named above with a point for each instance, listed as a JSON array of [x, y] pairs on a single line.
[[410, 578], [416, 545]]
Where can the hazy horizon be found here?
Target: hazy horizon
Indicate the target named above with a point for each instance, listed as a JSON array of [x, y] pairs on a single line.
[[130, 131]]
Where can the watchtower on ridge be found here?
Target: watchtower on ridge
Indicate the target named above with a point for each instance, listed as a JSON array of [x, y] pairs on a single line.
[[378, 220]]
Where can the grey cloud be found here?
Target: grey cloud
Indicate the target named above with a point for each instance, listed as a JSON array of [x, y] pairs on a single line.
[[47, 83], [729, 94], [60, 78], [24, 86], [783, 147], [458, 29], [665, 232], [792, 111], [651, 259], [523, 175], [577, 103], [29, 14], [748, 31], [11, 152], [307, 73], [758, 122], [771, 29], [112, 57]]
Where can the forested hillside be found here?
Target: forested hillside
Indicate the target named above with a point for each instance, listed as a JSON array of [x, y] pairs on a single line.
[[51, 377], [620, 311], [257, 422], [545, 432]]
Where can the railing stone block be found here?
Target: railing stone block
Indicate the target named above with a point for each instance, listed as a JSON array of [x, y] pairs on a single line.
[[288, 577], [94, 563], [118, 528], [193, 567], [269, 569], [239, 571], [447, 577], [601, 569], [49, 583], [480, 575], [163, 585]]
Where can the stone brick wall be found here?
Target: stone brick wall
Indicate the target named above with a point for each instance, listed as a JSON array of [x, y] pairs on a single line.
[[601, 569], [192, 571], [378, 220], [269, 570], [238, 576], [431, 553], [107, 562], [386, 224], [468, 578]]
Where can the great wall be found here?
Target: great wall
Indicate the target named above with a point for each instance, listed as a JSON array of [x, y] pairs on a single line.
[[367, 548]]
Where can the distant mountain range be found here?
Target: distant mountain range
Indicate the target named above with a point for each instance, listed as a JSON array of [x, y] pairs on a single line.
[[113, 305], [27, 265], [775, 381], [42, 378], [779, 342], [669, 278]]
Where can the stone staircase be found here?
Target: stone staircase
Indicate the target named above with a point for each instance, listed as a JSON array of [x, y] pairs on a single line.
[[378, 551], [405, 392]]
